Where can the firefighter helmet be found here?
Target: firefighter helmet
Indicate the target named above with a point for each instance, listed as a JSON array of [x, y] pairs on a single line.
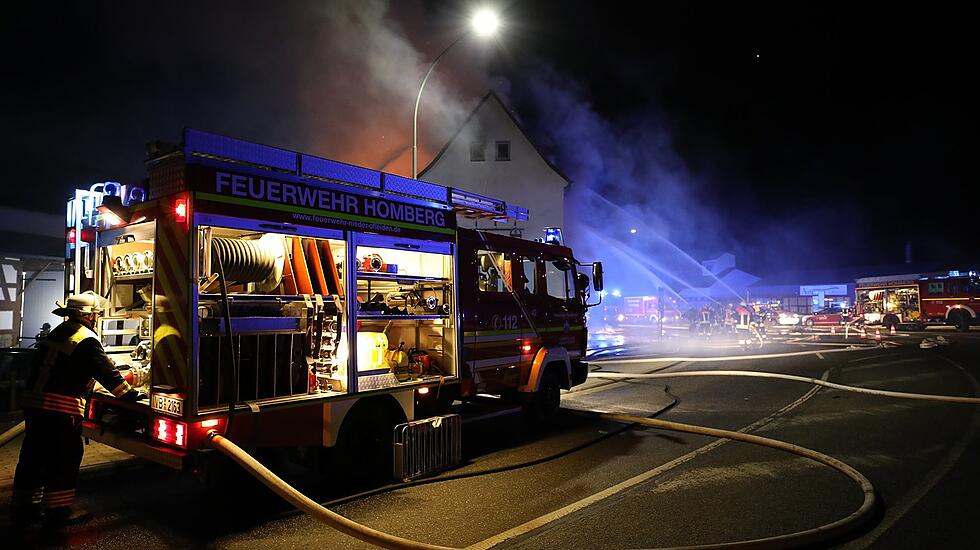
[[84, 303]]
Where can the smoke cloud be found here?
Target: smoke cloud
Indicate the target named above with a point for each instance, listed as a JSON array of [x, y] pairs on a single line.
[[626, 175]]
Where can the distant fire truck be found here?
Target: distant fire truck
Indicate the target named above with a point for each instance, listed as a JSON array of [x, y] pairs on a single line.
[[288, 300], [646, 309], [917, 300]]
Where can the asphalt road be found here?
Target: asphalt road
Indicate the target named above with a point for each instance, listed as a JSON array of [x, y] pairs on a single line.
[[614, 486]]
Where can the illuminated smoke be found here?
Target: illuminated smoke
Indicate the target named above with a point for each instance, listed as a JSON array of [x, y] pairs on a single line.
[[624, 175]]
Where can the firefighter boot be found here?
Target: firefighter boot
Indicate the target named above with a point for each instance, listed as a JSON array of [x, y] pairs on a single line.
[[25, 507], [22, 516], [65, 515]]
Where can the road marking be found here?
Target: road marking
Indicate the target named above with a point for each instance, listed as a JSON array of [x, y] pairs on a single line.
[[820, 355], [730, 357], [898, 511], [544, 520]]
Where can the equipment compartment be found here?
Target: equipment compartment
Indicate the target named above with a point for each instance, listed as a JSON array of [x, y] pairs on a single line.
[[285, 302], [405, 312]]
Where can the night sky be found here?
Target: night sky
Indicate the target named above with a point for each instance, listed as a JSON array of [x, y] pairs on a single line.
[[792, 134]]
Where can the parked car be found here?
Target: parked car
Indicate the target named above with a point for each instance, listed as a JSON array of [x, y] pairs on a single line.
[[826, 316], [788, 318]]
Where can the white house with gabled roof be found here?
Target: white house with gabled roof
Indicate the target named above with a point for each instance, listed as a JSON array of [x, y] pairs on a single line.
[[490, 154]]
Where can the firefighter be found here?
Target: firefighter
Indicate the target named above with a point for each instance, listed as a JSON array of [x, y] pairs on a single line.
[[704, 321], [64, 367], [743, 327], [729, 319]]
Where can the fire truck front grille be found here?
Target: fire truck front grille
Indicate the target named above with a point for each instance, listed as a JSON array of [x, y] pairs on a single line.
[[426, 446]]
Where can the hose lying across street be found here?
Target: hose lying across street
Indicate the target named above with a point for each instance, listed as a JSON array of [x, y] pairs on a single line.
[[815, 535], [815, 381], [806, 537], [385, 540]]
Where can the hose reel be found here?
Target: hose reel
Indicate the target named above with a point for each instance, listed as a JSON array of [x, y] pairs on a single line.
[[258, 261]]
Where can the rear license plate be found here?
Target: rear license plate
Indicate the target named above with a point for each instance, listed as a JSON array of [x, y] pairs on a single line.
[[167, 404]]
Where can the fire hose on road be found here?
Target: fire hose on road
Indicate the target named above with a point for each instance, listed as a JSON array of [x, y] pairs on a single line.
[[811, 536], [780, 376], [13, 432], [385, 540]]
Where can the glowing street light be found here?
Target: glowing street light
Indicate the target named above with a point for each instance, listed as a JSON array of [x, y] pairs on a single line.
[[632, 231], [484, 24]]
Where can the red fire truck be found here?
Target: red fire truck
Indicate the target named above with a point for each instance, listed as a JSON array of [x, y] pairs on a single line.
[[646, 310], [288, 300], [916, 300]]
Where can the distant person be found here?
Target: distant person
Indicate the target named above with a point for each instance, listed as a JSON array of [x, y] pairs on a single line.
[[704, 321], [45, 331], [743, 324], [62, 373]]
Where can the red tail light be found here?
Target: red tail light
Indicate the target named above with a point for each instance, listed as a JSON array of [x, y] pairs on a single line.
[[88, 235], [186, 436], [180, 210], [170, 432]]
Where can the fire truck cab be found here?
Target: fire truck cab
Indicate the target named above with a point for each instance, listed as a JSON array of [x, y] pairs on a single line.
[[284, 299]]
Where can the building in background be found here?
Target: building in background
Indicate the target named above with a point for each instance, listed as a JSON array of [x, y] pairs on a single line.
[[491, 155], [721, 283], [32, 271]]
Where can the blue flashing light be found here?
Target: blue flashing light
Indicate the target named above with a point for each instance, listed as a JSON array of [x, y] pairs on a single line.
[[552, 235]]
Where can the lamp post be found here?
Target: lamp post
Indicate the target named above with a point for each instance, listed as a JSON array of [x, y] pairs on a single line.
[[484, 23]]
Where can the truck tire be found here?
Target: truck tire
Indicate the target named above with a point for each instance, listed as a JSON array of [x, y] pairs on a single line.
[[959, 319], [541, 407]]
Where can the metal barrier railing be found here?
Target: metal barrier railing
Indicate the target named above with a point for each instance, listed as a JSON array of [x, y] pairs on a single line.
[[426, 446]]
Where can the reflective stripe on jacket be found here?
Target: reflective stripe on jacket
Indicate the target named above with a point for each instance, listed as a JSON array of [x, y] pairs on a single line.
[[64, 368]]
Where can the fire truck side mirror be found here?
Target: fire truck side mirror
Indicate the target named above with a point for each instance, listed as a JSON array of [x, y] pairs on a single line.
[[597, 276]]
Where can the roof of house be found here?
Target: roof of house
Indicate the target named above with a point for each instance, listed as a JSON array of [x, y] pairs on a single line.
[[492, 95]]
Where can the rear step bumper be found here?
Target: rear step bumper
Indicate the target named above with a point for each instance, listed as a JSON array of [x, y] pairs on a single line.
[[171, 458]]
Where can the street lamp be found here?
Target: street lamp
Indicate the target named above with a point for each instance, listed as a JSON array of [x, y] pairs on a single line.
[[484, 24]]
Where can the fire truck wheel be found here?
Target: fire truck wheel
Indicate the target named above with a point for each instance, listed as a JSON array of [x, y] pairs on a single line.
[[542, 406], [960, 319]]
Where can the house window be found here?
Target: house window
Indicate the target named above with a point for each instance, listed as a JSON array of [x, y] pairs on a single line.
[[476, 151], [503, 150]]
